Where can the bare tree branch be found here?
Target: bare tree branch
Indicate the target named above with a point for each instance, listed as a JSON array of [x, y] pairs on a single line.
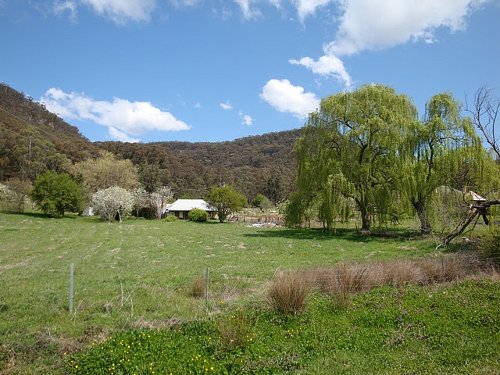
[[484, 112]]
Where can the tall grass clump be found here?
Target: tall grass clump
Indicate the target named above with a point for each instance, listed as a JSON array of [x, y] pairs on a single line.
[[235, 330], [197, 287], [343, 280], [288, 293]]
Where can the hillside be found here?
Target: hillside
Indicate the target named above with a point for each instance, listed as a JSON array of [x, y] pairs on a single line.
[[33, 139], [256, 164]]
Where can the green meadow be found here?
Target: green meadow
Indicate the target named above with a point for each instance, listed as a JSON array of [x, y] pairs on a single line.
[[136, 279]]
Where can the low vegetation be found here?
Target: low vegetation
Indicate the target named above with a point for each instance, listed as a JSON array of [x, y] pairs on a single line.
[[441, 329], [134, 285]]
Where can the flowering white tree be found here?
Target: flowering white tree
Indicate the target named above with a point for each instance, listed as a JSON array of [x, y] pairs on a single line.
[[113, 201], [141, 200], [159, 200], [155, 203]]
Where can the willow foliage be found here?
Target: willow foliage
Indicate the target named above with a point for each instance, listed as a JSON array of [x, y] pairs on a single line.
[[368, 149], [348, 152]]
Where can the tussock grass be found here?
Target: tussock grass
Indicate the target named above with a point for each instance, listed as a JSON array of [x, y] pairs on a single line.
[[288, 293], [235, 329], [197, 288], [342, 280]]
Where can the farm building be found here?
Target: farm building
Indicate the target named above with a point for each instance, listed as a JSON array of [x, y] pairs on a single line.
[[181, 207]]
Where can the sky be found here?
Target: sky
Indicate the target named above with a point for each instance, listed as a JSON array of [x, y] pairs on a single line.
[[217, 70]]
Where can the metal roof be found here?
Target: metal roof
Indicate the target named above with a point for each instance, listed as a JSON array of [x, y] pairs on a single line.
[[189, 204]]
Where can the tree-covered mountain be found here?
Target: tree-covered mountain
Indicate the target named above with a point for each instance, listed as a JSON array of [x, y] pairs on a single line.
[[33, 140], [257, 164]]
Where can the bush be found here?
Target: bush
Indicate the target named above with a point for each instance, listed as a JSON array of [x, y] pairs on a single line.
[[56, 193], [489, 247], [288, 293], [171, 218], [198, 215]]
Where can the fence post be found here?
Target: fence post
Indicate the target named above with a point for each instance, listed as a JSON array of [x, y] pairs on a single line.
[[206, 287], [71, 285]]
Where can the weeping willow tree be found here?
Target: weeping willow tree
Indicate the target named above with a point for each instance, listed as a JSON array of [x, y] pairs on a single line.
[[435, 151], [348, 152]]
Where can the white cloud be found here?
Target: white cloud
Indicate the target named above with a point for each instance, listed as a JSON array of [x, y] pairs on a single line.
[[184, 3], [226, 106], [285, 97], [121, 11], [247, 10], [373, 25], [69, 6], [118, 135], [328, 65], [308, 7], [119, 115], [246, 119]]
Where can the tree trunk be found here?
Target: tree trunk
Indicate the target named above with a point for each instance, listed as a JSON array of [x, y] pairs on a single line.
[[425, 225], [365, 218], [477, 209]]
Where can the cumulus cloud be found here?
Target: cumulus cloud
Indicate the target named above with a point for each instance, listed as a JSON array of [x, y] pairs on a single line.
[[376, 25], [308, 7], [373, 25], [226, 106], [246, 119], [122, 117], [285, 97], [328, 65], [118, 135]]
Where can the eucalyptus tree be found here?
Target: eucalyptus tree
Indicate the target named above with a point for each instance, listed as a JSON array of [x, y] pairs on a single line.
[[348, 153], [436, 151]]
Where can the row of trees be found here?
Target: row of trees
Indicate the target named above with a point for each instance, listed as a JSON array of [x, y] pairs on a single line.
[[368, 151], [57, 193]]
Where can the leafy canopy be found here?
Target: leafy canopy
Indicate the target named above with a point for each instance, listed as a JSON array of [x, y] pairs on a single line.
[[348, 151], [56, 193], [226, 199]]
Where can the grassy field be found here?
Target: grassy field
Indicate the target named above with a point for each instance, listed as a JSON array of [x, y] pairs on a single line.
[[139, 274]]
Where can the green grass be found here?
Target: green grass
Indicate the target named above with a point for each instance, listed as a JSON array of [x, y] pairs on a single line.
[[450, 329], [139, 273]]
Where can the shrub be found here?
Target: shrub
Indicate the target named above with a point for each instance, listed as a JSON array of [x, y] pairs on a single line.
[[56, 193], [288, 293], [198, 215], [171, 218]]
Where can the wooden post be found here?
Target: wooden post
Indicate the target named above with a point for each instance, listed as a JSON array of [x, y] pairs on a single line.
[[71, 285]]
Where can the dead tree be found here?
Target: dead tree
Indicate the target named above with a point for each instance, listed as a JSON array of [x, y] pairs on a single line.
[[485, 111], [475, 211]]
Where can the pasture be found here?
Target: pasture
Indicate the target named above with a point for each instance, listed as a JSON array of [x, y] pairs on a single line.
[[139, 275]]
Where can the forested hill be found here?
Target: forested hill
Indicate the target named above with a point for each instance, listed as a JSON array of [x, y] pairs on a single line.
[[33, 139], [257, 164]]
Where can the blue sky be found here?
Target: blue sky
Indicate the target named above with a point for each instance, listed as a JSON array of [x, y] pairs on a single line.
[[213, 70]]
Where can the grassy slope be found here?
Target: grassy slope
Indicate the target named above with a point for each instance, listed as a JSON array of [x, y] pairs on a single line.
[[139, 273], [444, 329]]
